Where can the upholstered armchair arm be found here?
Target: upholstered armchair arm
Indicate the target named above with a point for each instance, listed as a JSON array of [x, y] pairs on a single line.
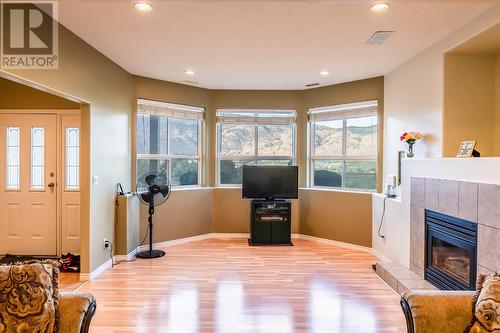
[[75, 312], [430, 311]]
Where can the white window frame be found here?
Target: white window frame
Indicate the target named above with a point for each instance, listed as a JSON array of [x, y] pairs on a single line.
[[174, 111], [342, 112], [224, 117]]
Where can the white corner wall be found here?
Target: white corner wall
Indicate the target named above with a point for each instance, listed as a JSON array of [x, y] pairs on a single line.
[[413, 101], [414, 94]]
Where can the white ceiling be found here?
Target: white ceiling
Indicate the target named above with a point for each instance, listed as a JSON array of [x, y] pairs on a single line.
[[261, 45]]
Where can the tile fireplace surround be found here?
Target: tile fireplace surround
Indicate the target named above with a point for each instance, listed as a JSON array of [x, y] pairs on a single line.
[[475, 202]]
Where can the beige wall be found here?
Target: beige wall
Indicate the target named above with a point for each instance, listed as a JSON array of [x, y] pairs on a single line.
[[232, 213], [187, 213], [86, 75], [14, 95], [469, 102], [127, 224], [340, 216], [107, 95]]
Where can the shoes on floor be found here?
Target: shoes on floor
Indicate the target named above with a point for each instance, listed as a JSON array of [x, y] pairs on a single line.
[[70, 263]]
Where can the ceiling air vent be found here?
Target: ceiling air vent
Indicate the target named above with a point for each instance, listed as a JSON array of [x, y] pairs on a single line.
[[312, 84], [379, 37], [191, 82]]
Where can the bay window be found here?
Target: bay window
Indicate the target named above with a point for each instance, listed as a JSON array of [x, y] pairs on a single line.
[[343, 146], [253, 137], [169, 141]]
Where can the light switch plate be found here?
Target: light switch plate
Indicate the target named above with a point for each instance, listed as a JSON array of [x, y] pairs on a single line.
[[95, 180]]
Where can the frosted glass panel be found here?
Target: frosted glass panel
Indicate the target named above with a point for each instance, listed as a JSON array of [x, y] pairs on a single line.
[[37, 157], [12, 158], [72, 158]]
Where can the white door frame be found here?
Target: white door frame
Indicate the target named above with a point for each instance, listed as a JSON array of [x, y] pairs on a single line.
[[60, 162]]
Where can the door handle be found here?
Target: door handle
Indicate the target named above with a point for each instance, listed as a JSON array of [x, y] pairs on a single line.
[[51, 185]]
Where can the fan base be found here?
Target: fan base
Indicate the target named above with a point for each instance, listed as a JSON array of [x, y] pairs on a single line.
[[150, 254]]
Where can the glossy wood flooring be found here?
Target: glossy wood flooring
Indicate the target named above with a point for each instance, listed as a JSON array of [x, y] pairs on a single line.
[[69, 281], [228, 287]]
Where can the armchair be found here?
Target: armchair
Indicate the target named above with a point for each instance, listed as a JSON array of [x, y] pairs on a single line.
[[437, 311], [76, 310]]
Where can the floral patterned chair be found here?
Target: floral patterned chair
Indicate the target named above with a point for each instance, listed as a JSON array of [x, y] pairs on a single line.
[[30, 301]]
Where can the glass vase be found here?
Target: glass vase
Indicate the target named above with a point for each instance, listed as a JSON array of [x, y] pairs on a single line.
[[410, 154]]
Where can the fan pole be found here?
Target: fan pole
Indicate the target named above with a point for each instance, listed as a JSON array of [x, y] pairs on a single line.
[[150, 254]]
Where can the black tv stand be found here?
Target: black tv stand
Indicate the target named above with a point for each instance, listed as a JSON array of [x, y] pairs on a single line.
[[270, 222]]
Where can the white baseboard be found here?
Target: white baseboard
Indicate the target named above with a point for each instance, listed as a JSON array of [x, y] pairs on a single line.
[[131, 255], [229, 235], [176, 241], [96, 272], [337, 243], [380, 256]]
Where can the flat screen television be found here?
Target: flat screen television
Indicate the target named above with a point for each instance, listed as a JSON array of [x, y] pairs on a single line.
[[270, 182]]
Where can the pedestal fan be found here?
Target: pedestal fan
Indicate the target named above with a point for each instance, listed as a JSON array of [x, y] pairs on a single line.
[[152, 190]]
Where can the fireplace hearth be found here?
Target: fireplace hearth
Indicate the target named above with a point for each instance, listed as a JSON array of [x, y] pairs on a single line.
[[451, 251]]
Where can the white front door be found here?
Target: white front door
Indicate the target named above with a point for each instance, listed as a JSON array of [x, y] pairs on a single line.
[[28, 195]]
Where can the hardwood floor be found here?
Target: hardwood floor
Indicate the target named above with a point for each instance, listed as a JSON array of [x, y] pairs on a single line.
[[69, 281], [226, 286]]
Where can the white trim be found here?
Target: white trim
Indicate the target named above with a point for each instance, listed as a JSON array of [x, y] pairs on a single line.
[[338, 243], [120, 257], [176, 241], [380, 256], [343, 107], [216, 235], [96, 272], [229, 235], [150, 107], [256, 116]]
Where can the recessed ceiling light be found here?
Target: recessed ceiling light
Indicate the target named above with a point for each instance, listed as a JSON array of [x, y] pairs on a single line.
[[143, 6], [189, 72], [324, 73], [379, 6]]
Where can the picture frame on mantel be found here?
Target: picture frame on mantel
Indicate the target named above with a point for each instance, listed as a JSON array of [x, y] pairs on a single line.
[[467, 149]]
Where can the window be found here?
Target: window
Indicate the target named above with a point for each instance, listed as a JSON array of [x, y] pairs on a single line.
[[168, 141], [253, 137], [72, 158], [12, 158], [37, 158], [343, 146]]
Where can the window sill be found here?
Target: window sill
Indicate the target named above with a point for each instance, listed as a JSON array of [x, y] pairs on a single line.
[[319, 189], [340, 190], [190, 188], [382, 196], [233, 187]]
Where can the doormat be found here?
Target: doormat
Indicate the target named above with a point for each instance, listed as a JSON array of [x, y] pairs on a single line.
[[10, 259], [68, 262]]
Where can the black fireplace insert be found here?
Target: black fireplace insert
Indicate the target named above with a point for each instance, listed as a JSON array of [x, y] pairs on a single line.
[[450, 252]]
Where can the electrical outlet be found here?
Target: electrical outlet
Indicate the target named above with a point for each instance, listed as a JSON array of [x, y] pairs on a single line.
[[95, 181]]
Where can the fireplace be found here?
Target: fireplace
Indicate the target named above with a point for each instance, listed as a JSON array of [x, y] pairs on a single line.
[[450, 251]]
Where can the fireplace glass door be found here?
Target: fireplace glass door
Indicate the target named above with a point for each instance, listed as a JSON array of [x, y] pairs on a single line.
[[451, 259], [450, 252]]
